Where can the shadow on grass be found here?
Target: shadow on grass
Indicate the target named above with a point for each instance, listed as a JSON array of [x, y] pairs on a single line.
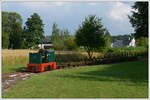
[[20, 69], [133, 71]]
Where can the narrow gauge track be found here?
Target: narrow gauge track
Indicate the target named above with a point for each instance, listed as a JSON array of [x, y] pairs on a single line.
[[11, 79]]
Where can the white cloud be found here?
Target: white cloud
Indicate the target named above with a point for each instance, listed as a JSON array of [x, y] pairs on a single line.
[[59, 3], [92, 4], [47, 6], [119, 11], [44, 4], [33, 4]]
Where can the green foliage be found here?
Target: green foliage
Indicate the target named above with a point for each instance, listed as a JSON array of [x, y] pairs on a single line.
[[70, 59], [140, 50], [107, 38], [142, 41], [124, 54], [90, 34], [11, 30], [128, 49], [5, 39], [139, 19], [16, 37], [33, 31], [70, 43], [55, 33], [66, 33], [62, 40], [120, 37], [57, 38]]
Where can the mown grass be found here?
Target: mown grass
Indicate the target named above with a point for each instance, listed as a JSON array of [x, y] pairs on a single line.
[[122, 80]]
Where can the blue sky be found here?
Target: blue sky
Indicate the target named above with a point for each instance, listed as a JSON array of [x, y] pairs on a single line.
[[71, 14]]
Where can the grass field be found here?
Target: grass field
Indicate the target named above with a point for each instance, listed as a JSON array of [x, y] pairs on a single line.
[[122, 80]]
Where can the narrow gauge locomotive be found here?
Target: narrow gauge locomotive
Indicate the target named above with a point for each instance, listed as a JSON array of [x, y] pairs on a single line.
[[41, 61]]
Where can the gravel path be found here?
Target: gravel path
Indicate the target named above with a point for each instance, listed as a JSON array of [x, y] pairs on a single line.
[[10, 79]]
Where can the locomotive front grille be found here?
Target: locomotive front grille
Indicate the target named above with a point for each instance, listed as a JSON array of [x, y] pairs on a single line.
[[33, 67]]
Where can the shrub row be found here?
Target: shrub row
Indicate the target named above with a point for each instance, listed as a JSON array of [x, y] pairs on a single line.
[[116, 55]]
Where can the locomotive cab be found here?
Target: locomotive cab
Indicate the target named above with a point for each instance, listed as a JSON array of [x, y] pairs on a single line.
[[41, 61]]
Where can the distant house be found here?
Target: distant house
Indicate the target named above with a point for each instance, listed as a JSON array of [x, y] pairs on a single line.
[[132, 43], [127, 42], [47, 43]]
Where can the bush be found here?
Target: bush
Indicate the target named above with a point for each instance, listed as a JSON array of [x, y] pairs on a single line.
[[65, 59], [123, 54], [70, 44], [142, 41]]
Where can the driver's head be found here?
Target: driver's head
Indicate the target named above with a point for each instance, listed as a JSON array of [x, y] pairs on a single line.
[[40, 46]]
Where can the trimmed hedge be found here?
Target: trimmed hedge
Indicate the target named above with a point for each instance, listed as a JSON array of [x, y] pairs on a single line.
[[111, 56]]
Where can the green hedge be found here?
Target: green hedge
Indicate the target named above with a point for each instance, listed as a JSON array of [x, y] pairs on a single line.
[[112, 55]]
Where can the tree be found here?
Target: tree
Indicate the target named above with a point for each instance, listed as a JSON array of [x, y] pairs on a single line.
[[56, 37], [33, 31], [16, 36], [120, 37], [66, 33], [5, 31], [139, 19], [5, 39], [70, 43], [61, 39], [107, 39], [90, 34], [55, 32], [142, 41], [11, 30]]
